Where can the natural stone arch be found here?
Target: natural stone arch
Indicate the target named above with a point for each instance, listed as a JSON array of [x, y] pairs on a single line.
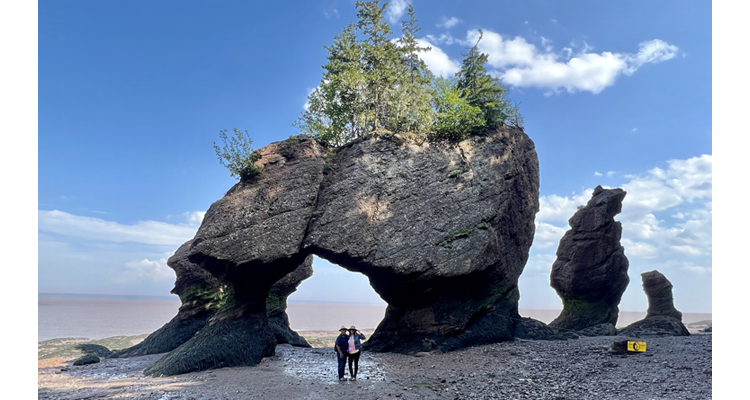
[[441, 230]]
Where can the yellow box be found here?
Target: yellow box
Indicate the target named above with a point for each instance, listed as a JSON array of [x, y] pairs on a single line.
[[636, 346]]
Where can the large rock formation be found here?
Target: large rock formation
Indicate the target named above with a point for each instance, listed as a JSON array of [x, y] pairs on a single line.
[[662, 319], [200, 294], [591, 270], [659, 293], [249, 240], [276, 304], [441, 230]]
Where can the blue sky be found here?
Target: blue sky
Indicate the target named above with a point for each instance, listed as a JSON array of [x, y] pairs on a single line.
[[132, 94]]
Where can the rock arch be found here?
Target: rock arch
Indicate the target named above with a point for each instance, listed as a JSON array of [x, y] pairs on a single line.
[[442, 231]]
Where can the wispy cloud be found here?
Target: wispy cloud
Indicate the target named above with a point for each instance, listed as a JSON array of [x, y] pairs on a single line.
[[156, 270], [147, 232], [396, 10], [333, 13], [449, 22]]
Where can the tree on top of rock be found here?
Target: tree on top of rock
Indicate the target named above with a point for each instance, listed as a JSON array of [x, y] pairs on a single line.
[[372, 83], [484, 91]]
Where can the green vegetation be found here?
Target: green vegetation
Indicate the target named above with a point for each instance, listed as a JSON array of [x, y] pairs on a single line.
[[70, 348], [373, 83], [482, 91], [238, 156], [458, 234]]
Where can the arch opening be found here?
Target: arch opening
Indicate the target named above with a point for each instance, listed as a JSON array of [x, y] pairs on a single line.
[[333, 296]]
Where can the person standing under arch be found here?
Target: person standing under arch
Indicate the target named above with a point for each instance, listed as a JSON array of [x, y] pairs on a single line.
[[354, 345], [342, 348]]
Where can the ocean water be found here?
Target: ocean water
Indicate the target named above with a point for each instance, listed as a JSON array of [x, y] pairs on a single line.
[[98, 319]]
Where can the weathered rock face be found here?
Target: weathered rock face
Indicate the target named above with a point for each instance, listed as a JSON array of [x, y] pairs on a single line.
[[442, 232], [249, 240], [276, 304], [200, 294], [662, 319], [591, 270], [656, 326], [659, 292]]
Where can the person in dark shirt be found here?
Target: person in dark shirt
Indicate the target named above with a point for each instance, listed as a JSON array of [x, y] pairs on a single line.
[[342, 347]]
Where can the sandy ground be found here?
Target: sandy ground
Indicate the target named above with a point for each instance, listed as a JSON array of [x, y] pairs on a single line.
[[671, 368]]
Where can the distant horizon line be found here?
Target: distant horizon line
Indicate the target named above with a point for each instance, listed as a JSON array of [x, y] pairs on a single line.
[[175, 298]]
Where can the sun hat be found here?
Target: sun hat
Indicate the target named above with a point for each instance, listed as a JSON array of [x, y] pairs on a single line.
[[343, 328], [352, 328]]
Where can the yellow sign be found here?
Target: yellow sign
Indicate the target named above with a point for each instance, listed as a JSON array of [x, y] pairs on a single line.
[[637, 346]]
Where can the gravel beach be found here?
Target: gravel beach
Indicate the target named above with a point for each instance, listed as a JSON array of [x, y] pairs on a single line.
[[580, 369]]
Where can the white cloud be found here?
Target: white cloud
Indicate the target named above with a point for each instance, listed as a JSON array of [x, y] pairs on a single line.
[[396, 9], [696, 269], [444, 38], [194, 218], [520, 63], [653, 51], [310, 91], [148, 232], [683, 189], [449, 22], [157, 270], [547, 235], [333, 13], [596, 173], [437, 61], [634, 130], [639, 249], [554, 208], [610, 174], [540, 263], [683, 181]]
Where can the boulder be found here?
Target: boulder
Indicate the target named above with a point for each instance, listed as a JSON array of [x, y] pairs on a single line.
[[656, 326], [441, 230], [95, 349], [531, 329], [87, 359], [590, 273], [605, 329]]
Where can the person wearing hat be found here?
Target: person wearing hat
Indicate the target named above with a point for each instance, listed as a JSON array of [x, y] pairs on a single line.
[[355, 349], [342, 347]]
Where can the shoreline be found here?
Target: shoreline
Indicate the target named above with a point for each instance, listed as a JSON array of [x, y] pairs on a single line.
[[581, 369]]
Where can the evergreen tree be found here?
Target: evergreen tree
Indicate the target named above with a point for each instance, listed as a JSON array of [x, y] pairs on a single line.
[[411, 107], [482, 90], [374, 83], [455, 118], [336, 112], [380, 62]]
